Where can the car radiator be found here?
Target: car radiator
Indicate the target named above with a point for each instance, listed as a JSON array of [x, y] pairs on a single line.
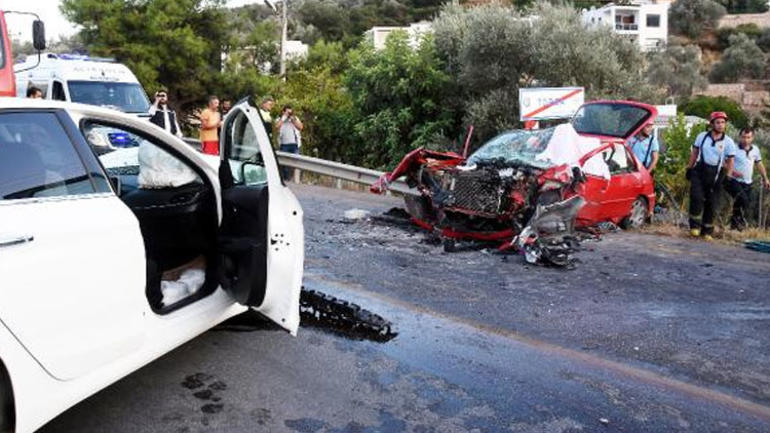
[[477, 190]]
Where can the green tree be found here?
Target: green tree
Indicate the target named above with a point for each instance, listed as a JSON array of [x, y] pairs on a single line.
[[678, 139], [702, 106], [173, 43], [327, 54], [677, 69], [743, 59], [744, 6], [397, 94], [330, 18], [763, 41], [549, 46], [751, 30], [692, 18], [326, 109]]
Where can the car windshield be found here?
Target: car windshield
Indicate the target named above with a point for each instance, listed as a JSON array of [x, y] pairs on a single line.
[[126, 97], [609, 119], [518, 146]]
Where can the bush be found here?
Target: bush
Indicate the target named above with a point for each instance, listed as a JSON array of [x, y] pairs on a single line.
[[763, 41], [744, 6], [743, 59], [692, 18], [702, 106], [678, 141], [751, 30]]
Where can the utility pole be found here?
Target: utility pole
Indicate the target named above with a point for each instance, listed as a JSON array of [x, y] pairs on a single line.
[[284, 6]]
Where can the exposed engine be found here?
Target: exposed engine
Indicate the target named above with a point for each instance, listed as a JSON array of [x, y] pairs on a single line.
[[483, 197]]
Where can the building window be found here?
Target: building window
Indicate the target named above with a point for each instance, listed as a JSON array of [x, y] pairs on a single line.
[[653, 20]]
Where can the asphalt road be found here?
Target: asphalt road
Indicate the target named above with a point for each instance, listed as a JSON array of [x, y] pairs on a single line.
[[648, 334]]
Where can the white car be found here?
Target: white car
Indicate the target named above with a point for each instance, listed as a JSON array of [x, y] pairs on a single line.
[[108, 262]]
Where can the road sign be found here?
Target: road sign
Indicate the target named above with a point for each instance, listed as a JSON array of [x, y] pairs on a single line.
[[540, 103]]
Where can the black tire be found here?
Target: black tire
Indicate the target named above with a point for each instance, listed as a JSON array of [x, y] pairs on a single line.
[[638, 215], [7, 409], [450, 246]]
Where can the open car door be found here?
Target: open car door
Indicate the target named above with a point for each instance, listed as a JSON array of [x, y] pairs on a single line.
[[261, 236]]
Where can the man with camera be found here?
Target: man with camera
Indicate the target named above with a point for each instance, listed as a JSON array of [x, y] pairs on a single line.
[[162, 115], [289, 138]]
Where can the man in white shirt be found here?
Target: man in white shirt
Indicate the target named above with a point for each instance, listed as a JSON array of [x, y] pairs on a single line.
[[739, 183], [289, 138], [162, 115]]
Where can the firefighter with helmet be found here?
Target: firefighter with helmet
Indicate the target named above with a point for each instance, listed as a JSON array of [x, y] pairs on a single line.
[[711, 161]]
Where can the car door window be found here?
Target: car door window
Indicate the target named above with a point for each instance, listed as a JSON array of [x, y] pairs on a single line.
[[617, 159], [136, 159], [57, 92], [242, 151], [37, 159]]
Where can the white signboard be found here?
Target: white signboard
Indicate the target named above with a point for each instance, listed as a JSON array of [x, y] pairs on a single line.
[[540, 103], [665, 114]]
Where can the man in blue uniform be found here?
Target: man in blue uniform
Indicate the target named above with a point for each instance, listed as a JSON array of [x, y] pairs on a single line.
[[739, 184], [646, 147], [711, 161]]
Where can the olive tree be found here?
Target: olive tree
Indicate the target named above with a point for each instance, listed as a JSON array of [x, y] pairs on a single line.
[[742, 59], [677, 69], [491, 51], [692, 18]]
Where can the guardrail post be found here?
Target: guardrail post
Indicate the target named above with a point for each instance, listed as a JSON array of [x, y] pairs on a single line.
[[297, 175]]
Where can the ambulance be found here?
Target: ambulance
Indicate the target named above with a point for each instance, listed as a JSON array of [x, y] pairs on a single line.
[[83, 79]]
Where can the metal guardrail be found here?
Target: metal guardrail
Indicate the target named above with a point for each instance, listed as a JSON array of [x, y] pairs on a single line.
[[339, 170], [333, 169]]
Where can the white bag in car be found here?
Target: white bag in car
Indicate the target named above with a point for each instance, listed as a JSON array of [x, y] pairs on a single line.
[[159, 169]]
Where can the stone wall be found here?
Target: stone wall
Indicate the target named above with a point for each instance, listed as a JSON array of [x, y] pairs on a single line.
[[761, 20], [750, 96]]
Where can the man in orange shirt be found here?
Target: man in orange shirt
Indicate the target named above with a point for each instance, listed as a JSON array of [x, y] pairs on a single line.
[[210, 122]]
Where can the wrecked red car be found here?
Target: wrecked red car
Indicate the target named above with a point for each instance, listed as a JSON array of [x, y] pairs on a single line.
[[494, 193]]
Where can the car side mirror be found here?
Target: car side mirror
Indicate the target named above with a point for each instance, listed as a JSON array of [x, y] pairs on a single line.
[[117, 185], [38, 35], [253, 173]]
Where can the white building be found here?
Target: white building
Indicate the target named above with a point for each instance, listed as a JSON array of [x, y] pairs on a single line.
[[415, 32], [645, 23]]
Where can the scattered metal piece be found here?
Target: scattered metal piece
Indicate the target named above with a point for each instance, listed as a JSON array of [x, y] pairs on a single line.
[[326, 311]]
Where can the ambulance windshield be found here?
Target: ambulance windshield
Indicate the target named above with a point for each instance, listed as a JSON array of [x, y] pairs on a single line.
[[126, 97]]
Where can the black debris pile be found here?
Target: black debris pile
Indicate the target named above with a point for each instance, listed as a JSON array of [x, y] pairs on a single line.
[[344, 318]]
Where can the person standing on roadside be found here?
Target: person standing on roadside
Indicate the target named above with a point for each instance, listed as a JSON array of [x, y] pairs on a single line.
[[739, 183], [224, 108], [265, 107], [289, 136], [226, 105], [645, 147], [711, 161], [210, 123], [162, 115]]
